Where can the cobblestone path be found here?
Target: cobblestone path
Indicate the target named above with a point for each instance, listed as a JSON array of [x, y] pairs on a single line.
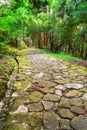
[[49, 94]]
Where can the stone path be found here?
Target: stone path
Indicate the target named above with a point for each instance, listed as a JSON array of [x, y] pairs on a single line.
[[49, 94]]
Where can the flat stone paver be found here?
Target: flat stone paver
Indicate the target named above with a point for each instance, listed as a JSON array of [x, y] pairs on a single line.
[[50, 94]]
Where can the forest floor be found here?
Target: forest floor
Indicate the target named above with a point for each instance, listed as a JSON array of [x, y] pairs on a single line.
[[50, 94]]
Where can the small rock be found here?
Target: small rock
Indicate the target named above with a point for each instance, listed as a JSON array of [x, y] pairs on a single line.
[[15, 94], [81, 77], [45, 90], [51, 121], [47, 76], [58, 92], [62, 81], [85, 85], [79, 123], [73, 93], [75, 102], [64, 103], [35, 96], [85, 104], [38, 76], [25, 125], [35, 107], [52, 90], [51, 97], [74, 85], [57, 77], [65, 113], [84, 90], [84, 97], [60, 87], [1, 105], [65, 124], [45, 83], [77, 110], [47, 105]]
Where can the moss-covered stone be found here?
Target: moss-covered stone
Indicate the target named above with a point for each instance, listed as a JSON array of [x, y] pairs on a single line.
[[65, 124], [35, 107], [79, 123], [21, 85], [16, 103], [73, 93], [64, 103], [47, 76], [65, 113], [76, 102], [51, 121], [85, 104], [35, 96], [77, 110], [51, 97], [62, 81], [45, 83]]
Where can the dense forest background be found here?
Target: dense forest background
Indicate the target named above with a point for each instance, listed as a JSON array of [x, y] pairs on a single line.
[[58, 25]]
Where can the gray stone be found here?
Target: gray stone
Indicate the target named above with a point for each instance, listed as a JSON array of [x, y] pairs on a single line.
[[51, 97], [84, 97], [77, 110], [15, 94], [51, 121], [58, 92], [79, 123], [47, 105], [58, 77], [74, 85], [81, 77], [38, 76], [60, 87], [1, 105]]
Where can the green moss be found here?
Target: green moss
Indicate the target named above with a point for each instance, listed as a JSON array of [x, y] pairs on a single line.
[[74, 68], [35, 121], [59, 55], [2, 69], [21, 85], [22, 52], [16, 121], [36, 96]]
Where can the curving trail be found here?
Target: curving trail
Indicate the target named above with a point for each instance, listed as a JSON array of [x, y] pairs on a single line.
[[50, 94]]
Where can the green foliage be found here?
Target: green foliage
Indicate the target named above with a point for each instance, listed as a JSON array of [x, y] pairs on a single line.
[[1, 69], [63, 22]]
